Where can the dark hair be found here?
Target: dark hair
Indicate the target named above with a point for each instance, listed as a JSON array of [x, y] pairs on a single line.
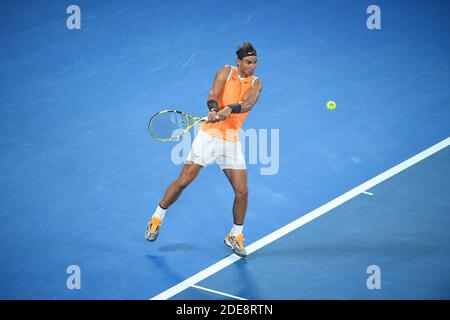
[[245, 50], [247, 46]]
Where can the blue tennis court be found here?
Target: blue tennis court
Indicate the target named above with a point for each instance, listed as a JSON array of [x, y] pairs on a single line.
[[339, 199], [400, 226]]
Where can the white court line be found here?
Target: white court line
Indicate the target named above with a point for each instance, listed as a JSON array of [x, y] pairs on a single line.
[[218, 292], [302, 220], [369, 193]]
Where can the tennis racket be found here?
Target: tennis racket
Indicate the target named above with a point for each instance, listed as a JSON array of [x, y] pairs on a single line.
[[170, 125]]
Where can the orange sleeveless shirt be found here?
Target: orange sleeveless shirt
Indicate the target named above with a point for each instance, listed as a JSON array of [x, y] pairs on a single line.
[[233, 91]]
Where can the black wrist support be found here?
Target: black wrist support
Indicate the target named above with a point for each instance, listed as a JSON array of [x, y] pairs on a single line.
[[212, 105], [235, 107]]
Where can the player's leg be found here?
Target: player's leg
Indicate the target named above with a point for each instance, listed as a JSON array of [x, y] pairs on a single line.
[[201, 154], [238, 180], [187, 175], [232, 162]]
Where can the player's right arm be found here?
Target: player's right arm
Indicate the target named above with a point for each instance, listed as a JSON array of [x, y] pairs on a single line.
[[219, 82]]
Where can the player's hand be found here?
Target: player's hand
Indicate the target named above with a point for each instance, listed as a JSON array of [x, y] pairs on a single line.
[[212, 117], [224, 113]]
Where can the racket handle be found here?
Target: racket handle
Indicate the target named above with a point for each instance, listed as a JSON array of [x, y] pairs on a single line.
[[206, 118]]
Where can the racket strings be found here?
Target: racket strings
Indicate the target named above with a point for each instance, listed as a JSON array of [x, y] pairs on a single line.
[[168, 125]]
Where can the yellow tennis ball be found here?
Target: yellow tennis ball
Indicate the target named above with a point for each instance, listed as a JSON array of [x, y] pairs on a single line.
[[331, 105]]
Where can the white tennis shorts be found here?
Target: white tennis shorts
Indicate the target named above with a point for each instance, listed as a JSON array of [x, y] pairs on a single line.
[[207, 149]]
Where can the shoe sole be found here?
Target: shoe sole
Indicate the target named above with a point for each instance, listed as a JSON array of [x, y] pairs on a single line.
[[227, 243], [236, 253], [153, 236], [152, 239]]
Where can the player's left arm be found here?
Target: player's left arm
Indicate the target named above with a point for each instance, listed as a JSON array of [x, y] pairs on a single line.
[[250, 99], [252, 96]]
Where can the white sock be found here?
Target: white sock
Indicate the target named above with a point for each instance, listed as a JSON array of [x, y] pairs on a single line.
[[237, 229], [160, 212]]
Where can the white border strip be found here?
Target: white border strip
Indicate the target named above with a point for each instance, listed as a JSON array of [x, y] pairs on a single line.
[[218, 292], [368, 193], [196, 278], [302, 220]]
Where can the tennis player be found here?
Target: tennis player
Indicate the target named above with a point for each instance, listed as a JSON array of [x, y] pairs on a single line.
[[233, 94]]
